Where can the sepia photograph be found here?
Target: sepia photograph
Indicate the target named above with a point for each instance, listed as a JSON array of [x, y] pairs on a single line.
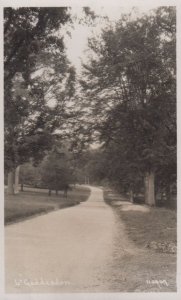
[[90, 148]]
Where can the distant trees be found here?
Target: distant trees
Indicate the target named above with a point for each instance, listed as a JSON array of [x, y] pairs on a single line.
[[29, 175], [54, 172], [57, 170], [93, 166], [130, 85]]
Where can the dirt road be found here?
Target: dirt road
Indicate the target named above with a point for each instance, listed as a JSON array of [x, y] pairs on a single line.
[[77, 249], [66, 250]]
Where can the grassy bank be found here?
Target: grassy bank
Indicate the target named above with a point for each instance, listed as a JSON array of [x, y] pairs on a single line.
[[146, 226], [34, 201]]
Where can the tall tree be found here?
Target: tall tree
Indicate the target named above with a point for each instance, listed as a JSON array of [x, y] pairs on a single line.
[[37, 73], [130, 84]]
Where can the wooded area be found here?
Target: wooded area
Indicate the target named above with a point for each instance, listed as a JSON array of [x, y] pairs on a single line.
[[124, 100]]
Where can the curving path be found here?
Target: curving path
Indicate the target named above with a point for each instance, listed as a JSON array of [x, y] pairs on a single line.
[[63, 251], [84, 248]]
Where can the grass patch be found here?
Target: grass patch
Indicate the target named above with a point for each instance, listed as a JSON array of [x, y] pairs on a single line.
[[158, 224], [34, 201]]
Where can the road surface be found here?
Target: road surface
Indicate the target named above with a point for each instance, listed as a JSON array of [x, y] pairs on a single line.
[[66, 250], [81, 249]]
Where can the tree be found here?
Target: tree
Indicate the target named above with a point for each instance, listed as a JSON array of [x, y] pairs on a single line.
[[28, 30], [30, 175], [56, 170], [129, 83], [31, 46]]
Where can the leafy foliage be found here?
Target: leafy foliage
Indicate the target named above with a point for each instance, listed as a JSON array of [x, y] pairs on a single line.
[[39, 81], [129, 85], [30, 175], [56, 171]]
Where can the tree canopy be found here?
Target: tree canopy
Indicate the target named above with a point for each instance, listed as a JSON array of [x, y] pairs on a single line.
[[129, 84], [38, 81]]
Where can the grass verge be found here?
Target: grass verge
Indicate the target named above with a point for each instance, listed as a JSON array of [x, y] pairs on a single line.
[[146, 269], [34, 201], [153, 226]]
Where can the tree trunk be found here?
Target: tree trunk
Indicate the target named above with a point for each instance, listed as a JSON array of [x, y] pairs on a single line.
[[65, 192], [146, 187], [168, 195], [22, 187], [150, 188], [56, 192], [131, 196], [16, 180], [10, 190], [49, 192]]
